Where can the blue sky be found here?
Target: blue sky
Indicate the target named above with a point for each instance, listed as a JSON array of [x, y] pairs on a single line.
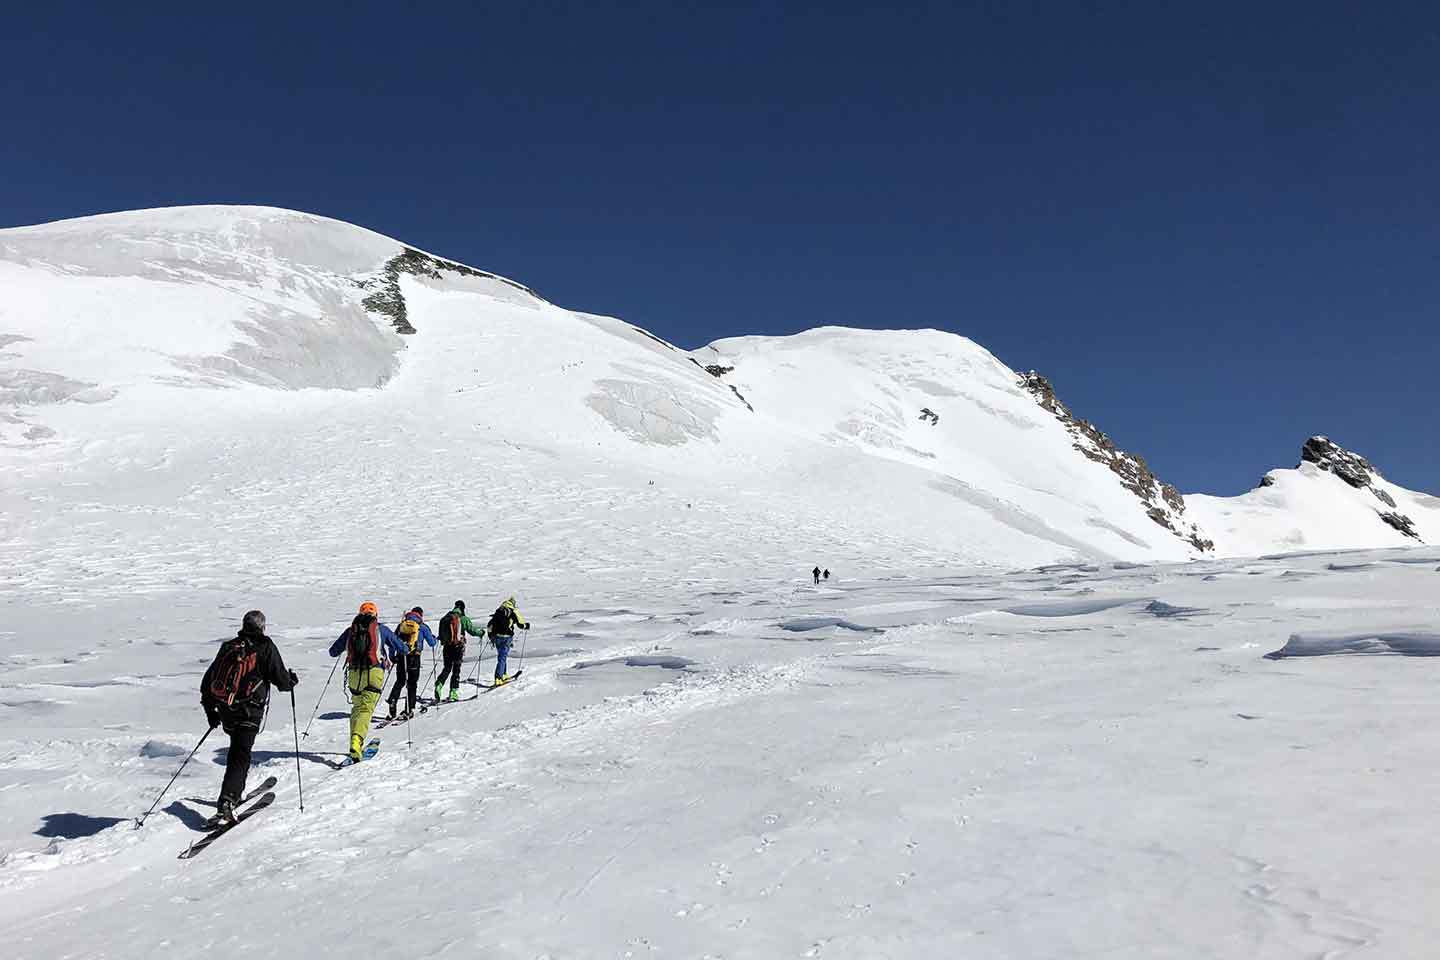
[[1216, 227]]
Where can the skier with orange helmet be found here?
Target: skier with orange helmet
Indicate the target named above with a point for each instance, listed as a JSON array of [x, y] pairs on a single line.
[[369, 646]]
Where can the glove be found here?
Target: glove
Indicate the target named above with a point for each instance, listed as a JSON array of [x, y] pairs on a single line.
[[294, 680], [212, 716], [524, 626]]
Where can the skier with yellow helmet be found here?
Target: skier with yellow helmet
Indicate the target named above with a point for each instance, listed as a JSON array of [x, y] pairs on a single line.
[[501, 628]]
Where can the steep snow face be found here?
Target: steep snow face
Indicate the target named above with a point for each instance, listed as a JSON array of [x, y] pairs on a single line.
[[208, 341], [1334, 499], [200, 296], [1163, 503], [162, 354], [947, 406]]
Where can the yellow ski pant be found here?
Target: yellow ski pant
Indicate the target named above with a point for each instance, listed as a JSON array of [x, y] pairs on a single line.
[[366, 685]]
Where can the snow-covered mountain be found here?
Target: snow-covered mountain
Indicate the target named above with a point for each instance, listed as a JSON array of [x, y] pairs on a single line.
[[932, 754], [1333, 499], [175, 336]]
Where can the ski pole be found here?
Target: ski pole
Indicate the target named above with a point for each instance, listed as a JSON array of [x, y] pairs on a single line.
[[524, 640], [433, 669], [322, 697], [141, 821], [479, 660], [299, 787]]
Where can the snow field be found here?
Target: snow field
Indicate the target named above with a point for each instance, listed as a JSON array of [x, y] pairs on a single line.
[[744, 775]]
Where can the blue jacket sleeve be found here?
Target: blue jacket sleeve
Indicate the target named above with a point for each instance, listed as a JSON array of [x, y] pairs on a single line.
[[338, 647], [393, 647], [425, 632]]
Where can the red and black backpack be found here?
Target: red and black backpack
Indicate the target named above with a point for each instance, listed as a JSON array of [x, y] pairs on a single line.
[[451, 634], [363, 647], [235, 675]]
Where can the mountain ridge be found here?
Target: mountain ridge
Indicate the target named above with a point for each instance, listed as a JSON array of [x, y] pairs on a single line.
[[107, 317]]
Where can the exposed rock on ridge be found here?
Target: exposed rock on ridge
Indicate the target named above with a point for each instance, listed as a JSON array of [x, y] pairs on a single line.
[[389, 301], [1163, 503], [1358, 473]]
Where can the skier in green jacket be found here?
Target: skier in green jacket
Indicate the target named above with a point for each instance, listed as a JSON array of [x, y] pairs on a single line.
[[453, 628]]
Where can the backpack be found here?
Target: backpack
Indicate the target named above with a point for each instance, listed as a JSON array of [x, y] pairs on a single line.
[[234, 675], [451, 634], [362, 649], [501, 622], [409, 633]]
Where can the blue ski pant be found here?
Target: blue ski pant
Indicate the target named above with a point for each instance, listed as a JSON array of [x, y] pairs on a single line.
[[502, 654]]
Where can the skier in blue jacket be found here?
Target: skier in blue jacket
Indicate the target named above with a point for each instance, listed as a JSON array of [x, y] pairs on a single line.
[[412, 633]]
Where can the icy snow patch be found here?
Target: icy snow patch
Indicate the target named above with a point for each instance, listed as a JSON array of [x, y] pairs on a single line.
[[806, 624], [1404, 643]]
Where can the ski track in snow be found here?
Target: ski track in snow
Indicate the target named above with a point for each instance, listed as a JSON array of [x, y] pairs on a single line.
[[685, 776]]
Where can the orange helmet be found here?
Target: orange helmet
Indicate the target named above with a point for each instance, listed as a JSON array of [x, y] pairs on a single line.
[[370, 608]]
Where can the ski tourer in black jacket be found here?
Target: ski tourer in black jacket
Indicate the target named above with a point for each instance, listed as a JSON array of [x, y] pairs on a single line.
[[250, 711]]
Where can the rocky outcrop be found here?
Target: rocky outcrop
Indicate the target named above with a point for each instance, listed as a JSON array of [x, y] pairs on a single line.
[[1359, 473], [718, 372], [1162, 502], [1401, 522], [389, 301], [1350, 467]]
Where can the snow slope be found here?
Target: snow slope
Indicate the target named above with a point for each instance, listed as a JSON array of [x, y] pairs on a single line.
[[158, 336], [1081, 761], [946, 405], [1309, 508]]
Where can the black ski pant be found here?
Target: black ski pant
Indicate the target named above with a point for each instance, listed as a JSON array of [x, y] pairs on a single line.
[[407, 674], [454, 663], [237, 762]]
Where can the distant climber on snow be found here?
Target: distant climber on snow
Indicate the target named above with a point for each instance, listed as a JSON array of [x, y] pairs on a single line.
[[816, 574], [235, 693], [412, 632], [453, 628], [368, 646], [501, 629], [826, 574]]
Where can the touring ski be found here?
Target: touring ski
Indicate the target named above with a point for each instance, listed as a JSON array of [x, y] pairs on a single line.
[[371, 748], [269, 784], [444, 700], [503, 683], [199, 845]]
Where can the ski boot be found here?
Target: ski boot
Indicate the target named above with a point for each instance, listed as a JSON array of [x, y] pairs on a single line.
[[224, 814], [356, 743], [438, 698], [454, 694], [392, 710]]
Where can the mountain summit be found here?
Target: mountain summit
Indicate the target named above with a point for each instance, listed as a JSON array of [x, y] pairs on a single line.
[[1332, 499], [180, 360]]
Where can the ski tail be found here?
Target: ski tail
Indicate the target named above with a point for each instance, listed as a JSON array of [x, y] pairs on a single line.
[[204, 842]]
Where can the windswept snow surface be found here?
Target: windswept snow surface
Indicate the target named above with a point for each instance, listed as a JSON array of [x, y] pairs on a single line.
[[681, 772]]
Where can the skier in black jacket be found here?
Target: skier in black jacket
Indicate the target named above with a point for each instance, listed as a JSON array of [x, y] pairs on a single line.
[[235, 693]]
